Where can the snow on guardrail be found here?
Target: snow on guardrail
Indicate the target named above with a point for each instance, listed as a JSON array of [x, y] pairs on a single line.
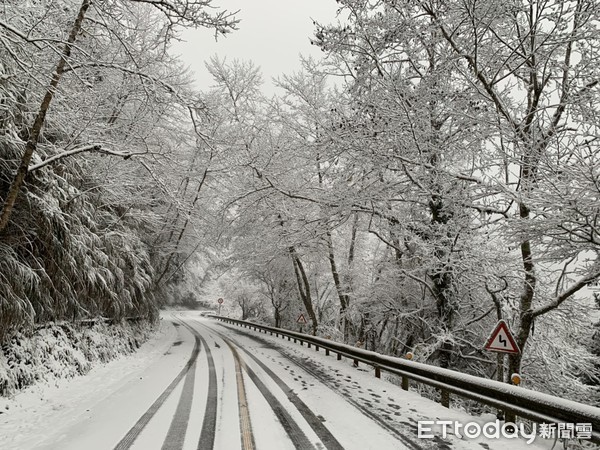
[[533, 405]]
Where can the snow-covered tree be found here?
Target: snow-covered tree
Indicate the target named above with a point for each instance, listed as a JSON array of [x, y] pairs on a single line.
[[94, 110]]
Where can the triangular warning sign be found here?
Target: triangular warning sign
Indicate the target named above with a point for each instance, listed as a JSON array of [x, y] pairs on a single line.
[[502, 340], [301, 319]]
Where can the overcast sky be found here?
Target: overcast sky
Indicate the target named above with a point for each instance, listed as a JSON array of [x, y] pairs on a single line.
[[272, 34]]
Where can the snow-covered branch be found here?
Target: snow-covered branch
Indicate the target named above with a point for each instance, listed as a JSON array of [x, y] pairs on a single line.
[[98, 148], [565, 295]]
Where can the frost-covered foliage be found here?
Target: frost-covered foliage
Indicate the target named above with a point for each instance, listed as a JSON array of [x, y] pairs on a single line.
[[73, 254], [91, 233], [559, 362], [64, 350]]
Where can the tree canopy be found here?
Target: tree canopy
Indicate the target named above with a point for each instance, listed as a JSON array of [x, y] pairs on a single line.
[[437, 171]]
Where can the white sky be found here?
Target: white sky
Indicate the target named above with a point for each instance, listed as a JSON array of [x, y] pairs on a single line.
[[272, 34]]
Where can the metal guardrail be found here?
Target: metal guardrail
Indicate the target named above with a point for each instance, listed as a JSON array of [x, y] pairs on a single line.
[[532, 405]]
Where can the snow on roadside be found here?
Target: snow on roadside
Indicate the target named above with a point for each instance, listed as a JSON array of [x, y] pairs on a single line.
[[31, 415], [64, 350]]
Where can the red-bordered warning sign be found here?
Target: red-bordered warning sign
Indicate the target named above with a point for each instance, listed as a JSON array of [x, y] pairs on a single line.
[[301, 319], [502, 340]]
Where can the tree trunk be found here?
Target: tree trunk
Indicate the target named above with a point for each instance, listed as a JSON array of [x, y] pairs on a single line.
[[343, 296], [442, 278], [277, 318], [526, 300], [344, 300], [348, 276], [304, 288]]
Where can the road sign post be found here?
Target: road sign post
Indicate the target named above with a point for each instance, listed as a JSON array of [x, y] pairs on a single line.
[[502, 341], [220, 302]]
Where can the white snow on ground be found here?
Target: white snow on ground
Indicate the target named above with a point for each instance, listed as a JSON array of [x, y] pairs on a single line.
[[276, 438], [227, 434], [44, 415], [96, 411]]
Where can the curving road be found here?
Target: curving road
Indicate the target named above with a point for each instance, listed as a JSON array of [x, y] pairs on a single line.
[[201, 384], [228, 396]]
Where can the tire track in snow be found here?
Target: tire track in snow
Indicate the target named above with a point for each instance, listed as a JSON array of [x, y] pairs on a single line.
[[139, 426], [178, 428], [209, 423], [207, 435], [300, 441], [366, 411]]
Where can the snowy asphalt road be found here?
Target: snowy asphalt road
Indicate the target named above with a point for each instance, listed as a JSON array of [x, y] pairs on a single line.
[[244, 403], [202, 385]]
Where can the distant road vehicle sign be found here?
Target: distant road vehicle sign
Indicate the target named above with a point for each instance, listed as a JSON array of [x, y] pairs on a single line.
[[301, 319], [220, 301], [502, 340]]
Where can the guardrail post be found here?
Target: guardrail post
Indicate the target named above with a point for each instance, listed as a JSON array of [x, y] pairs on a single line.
[[316, 347], [510, 417], [377, 372], [405, 383], [326, 352], [308, 344], [445, 398], [339, 356], [501, 414]]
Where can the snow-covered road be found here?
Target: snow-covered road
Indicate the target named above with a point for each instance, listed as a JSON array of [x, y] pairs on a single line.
[[200, 384]]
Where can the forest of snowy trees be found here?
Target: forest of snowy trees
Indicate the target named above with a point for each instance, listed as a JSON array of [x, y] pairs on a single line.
[[437, 171]]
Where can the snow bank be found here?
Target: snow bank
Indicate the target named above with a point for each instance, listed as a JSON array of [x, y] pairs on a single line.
[[65, 350]]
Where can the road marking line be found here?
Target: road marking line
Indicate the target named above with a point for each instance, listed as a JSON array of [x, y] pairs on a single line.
[[245, 422], [291, 427]]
